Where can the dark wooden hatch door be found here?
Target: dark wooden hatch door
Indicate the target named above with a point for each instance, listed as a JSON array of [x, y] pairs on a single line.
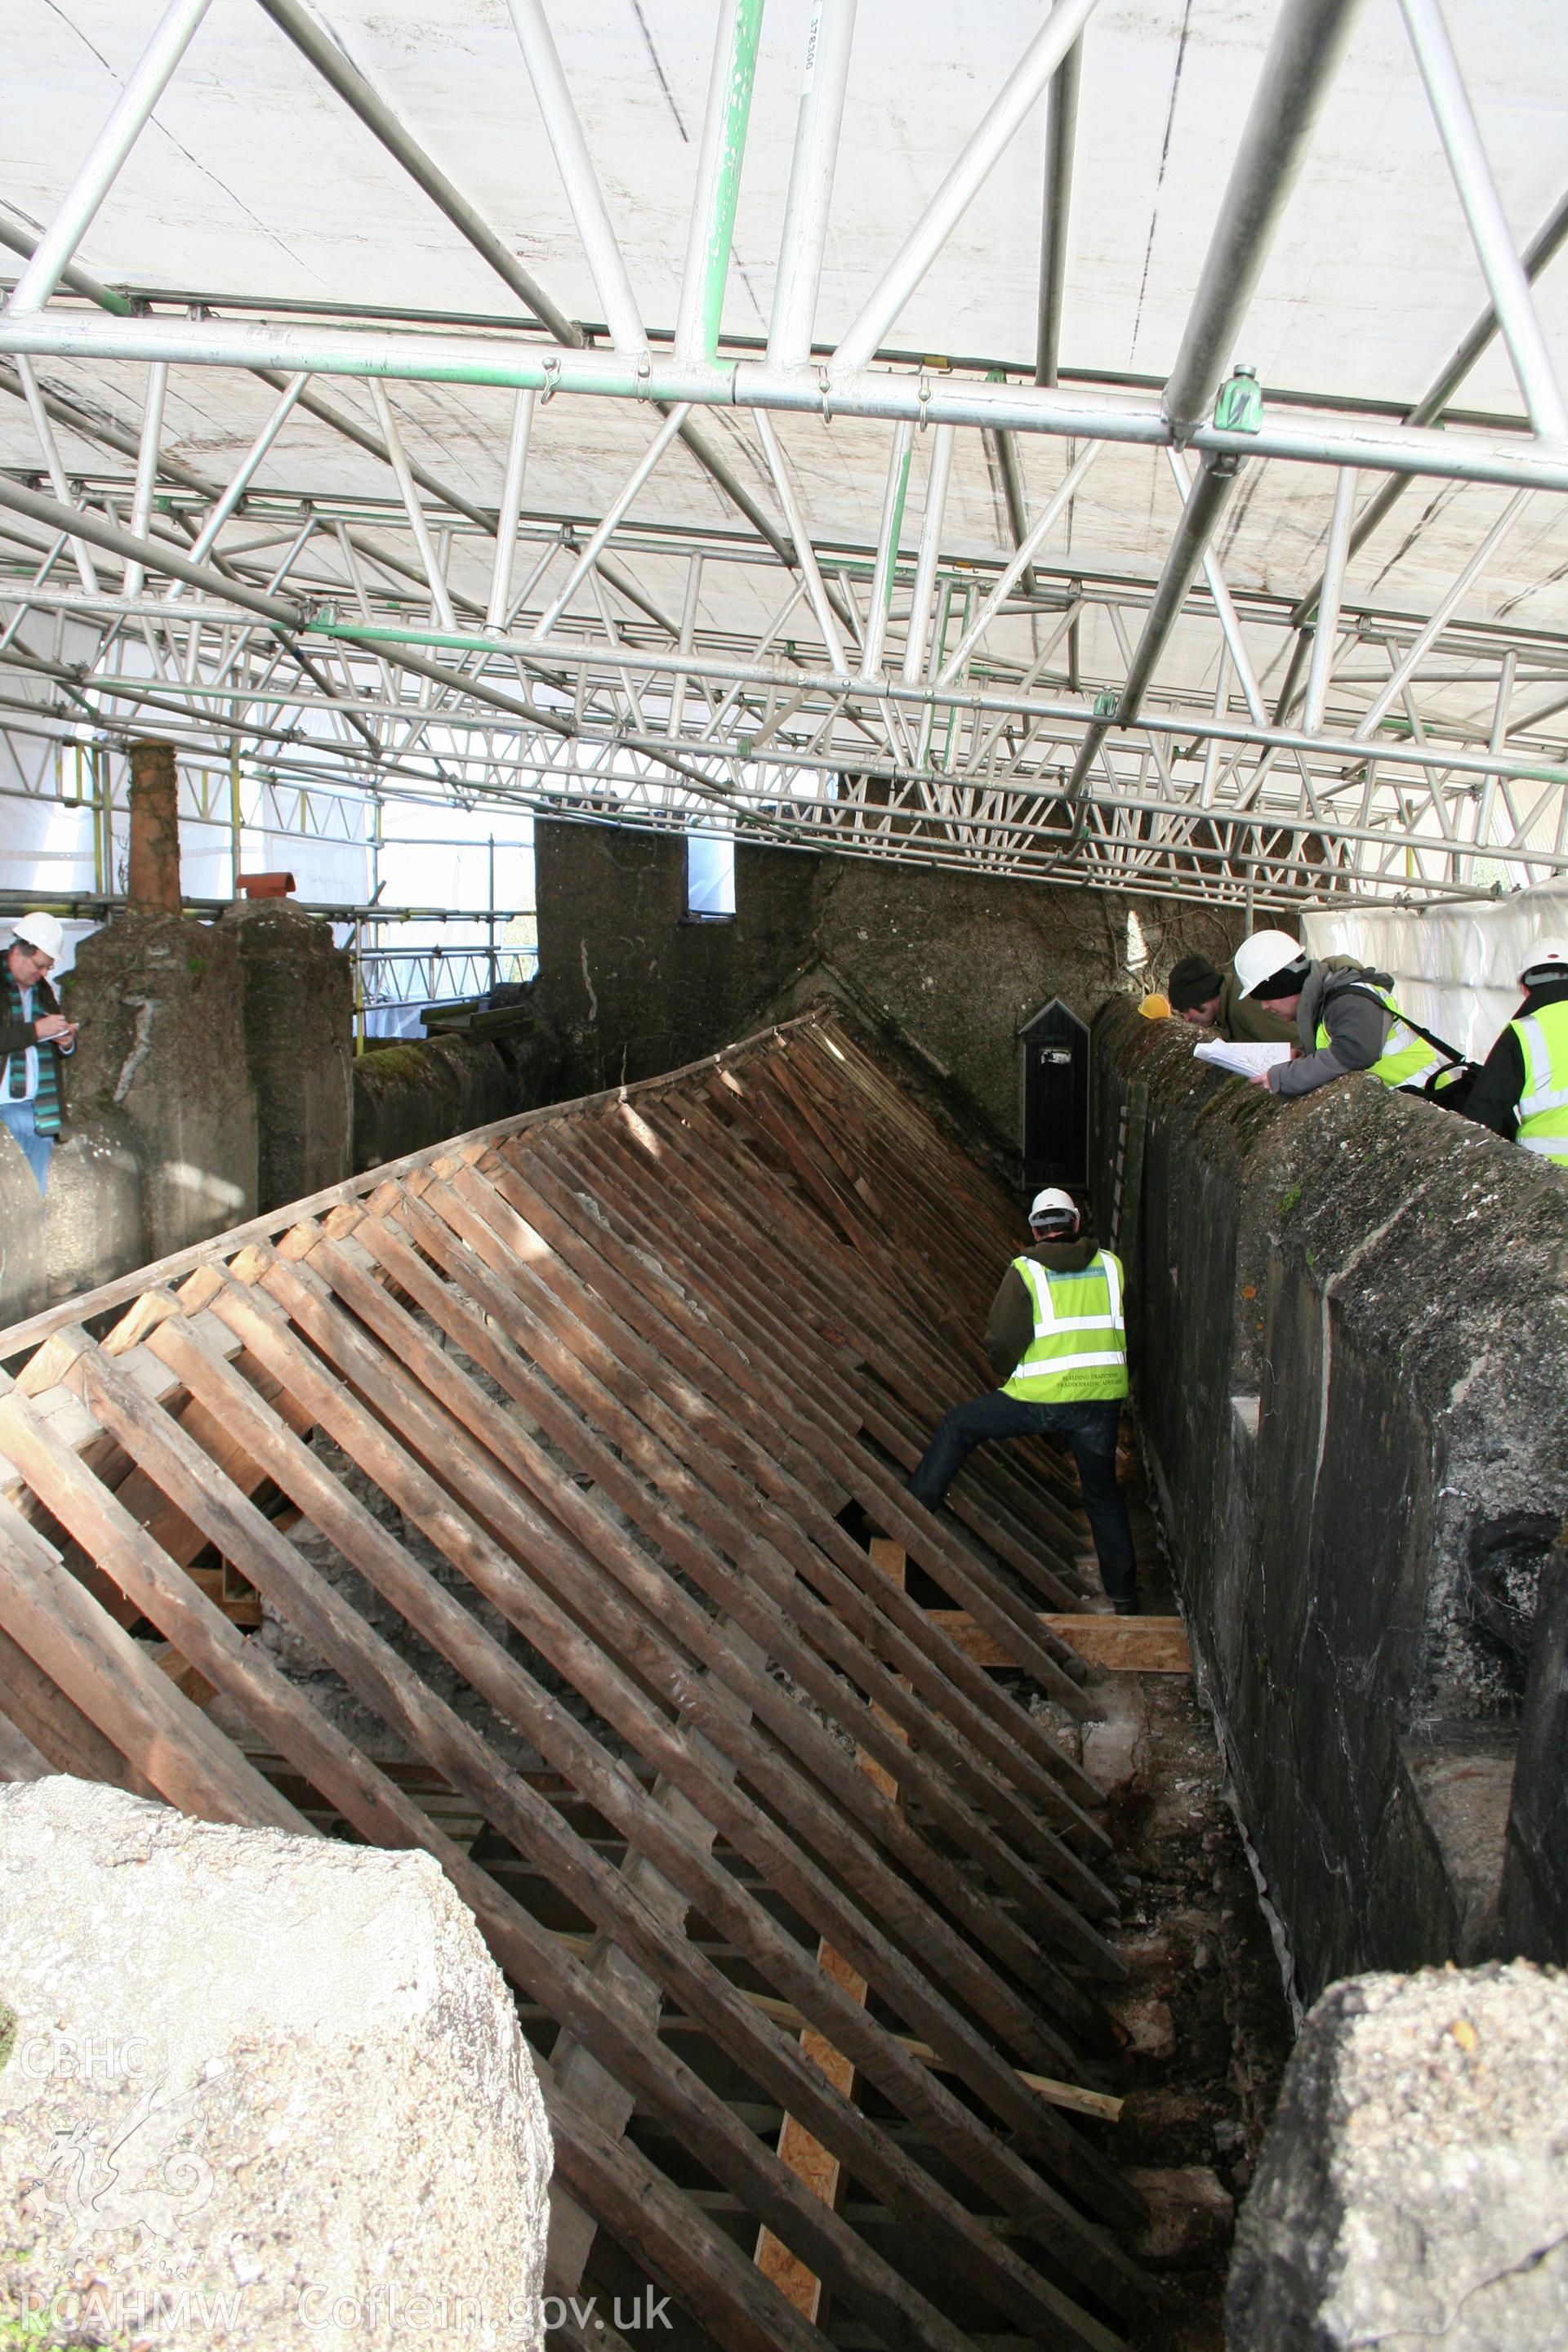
[[1056, 1099]]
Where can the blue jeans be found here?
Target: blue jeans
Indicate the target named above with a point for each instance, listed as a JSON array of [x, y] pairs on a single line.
[[18, 1117], [1090, 1432]]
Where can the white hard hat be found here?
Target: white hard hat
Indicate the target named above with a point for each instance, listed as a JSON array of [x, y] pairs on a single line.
[[1053, 1202], [1547, 959], [40, 932], [1265, 953]]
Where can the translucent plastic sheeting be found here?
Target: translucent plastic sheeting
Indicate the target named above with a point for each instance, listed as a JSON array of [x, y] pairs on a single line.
[[1455, 968], [710, 875]]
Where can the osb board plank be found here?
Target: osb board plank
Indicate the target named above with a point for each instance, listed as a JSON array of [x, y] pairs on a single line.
[[1128, 1645]]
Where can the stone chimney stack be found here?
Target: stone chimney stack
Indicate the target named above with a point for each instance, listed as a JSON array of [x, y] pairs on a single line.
[[153, 880]]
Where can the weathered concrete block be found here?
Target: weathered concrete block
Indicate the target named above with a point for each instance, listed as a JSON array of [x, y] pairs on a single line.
[[95, 1227], [22, 1245], [409, 1096], [255, 2090], [298, 1001], [1412, 2188], [162, 1042]]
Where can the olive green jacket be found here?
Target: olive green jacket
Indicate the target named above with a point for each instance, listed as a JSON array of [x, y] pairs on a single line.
[[1245, 1022]]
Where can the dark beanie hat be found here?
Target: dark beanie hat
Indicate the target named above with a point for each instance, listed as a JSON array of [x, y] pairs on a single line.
[[1192, 982], [1287, 981]]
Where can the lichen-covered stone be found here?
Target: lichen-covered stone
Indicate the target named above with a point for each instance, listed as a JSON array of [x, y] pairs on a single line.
[[1534, 1900], [21, 1234], [162, 1053], [417, 1093], [1413, 2191], [297, 997], [257, 2091], [96, 1227], [1351, 1368]]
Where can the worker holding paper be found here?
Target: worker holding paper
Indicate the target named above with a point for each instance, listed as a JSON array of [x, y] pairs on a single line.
[[1207, 999], [1346, 1020]]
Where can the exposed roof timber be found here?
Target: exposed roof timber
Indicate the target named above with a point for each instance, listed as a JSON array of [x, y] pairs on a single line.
[[641, 1476]]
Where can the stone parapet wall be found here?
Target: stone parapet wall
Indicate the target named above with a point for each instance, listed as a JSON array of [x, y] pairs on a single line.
[[22, 1245], [161, 1067], [297, 1006], [214, 1080], [1351, 1362], [414, 1093]]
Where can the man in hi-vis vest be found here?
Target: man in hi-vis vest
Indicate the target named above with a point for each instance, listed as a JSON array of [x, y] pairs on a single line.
[[1522, 1091], [1345, 1016], [1057, 1338]]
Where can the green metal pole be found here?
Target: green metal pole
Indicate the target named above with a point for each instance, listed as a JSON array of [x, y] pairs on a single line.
[[896, 529], [719, 179], [235, 821]]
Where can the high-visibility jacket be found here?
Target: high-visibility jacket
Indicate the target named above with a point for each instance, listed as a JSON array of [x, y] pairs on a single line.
[[1078, 1352], [1406, 1059], [1544, 1106]]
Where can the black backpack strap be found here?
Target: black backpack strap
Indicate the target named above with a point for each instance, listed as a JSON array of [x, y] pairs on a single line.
[[1359, 987]]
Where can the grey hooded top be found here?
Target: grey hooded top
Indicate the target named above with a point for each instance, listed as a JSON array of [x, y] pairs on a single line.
[[1357, 1026]]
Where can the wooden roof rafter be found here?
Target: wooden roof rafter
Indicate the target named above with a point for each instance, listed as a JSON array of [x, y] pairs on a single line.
[[615, 1371]]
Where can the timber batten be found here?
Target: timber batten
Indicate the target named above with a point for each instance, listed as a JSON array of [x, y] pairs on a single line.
[[541, 1446]]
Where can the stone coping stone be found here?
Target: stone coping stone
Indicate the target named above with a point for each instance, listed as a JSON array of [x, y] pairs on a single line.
[[1412, 2193], [257, 2091]]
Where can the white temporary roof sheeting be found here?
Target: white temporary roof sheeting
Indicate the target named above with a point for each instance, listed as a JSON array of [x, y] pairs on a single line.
[[1456, 968], [256, 200]]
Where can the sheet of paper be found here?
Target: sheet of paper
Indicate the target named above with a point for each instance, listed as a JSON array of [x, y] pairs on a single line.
[[1246, 1060]]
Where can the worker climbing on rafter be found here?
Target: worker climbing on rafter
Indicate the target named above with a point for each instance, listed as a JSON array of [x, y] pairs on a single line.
[[1058, 1331]]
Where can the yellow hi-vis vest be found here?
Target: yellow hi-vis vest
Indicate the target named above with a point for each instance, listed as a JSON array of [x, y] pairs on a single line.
[[1078, 1352], [1406, 1060], [1544, 1105]]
